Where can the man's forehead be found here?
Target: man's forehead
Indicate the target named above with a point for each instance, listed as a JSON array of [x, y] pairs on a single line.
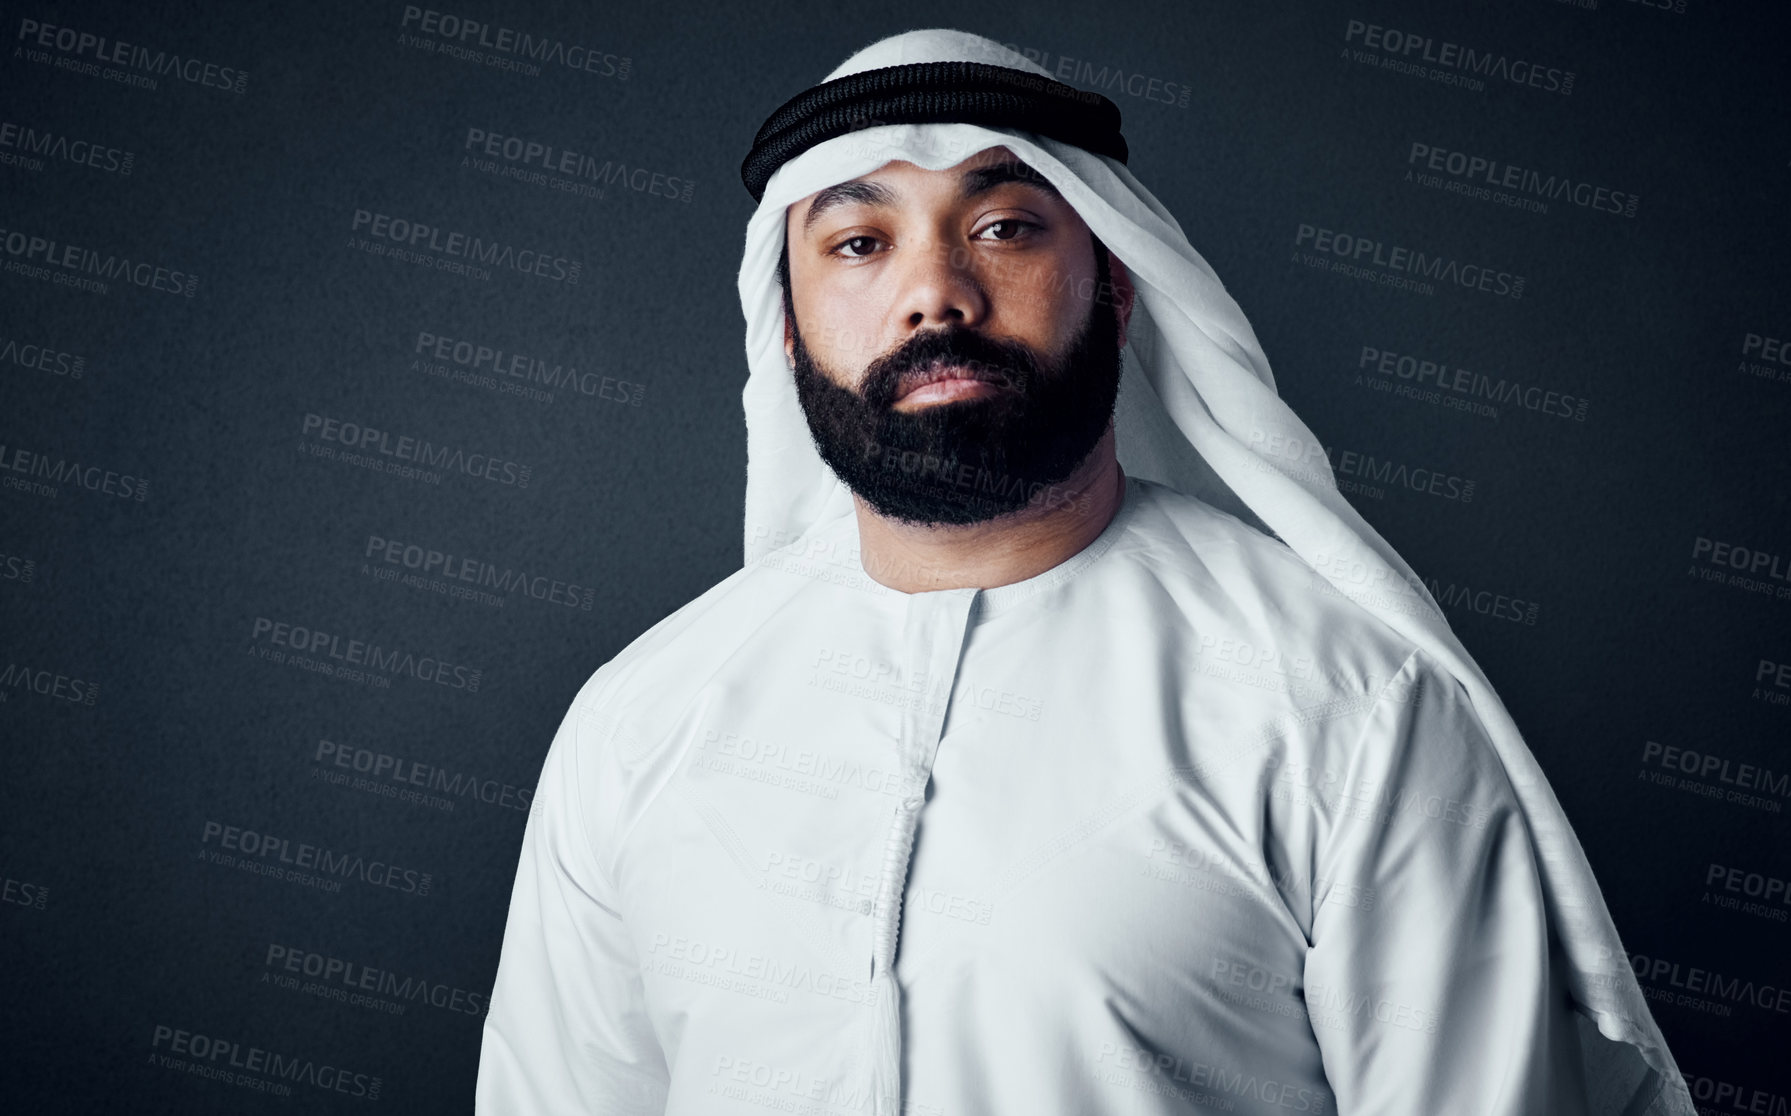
[[977, 174]]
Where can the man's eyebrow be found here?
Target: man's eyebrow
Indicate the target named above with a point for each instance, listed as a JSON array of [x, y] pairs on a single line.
[[863, 193], [983, 179], [973, 183]]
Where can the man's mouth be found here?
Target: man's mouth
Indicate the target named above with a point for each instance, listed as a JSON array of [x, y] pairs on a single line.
[[943, 380]]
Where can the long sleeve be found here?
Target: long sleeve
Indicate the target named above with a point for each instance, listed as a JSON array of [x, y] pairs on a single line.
[[1432, 982], [567, 1031]]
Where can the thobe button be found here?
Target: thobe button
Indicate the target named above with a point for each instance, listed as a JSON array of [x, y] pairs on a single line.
[[911, 804]]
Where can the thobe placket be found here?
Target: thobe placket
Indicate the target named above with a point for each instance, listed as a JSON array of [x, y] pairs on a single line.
[[933, 632]]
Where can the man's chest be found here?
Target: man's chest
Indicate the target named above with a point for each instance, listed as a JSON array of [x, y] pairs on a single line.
[[1017, 822]]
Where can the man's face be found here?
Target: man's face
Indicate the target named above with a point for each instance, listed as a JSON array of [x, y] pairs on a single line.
[[979, 278]]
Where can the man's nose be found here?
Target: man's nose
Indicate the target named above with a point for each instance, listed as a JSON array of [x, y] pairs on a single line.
[[938, 287]]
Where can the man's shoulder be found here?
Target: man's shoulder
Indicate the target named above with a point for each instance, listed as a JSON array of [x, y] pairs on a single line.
[[1208, 530], [1261, 615], [664, 667], [651, 659], [1254, 601]]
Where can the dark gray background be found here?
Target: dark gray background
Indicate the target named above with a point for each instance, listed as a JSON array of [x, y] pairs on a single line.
[[113, 925]]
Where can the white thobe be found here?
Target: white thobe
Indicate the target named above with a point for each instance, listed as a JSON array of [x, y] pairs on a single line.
[[1171, 827]]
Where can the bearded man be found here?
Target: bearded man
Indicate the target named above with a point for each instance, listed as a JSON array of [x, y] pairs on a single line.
[[1006, 779]]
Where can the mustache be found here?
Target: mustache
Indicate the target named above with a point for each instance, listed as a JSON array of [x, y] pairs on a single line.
[[1005, 362]]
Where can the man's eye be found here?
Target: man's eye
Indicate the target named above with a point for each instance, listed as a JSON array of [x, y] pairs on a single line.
[[1016, 228], [854, 255]]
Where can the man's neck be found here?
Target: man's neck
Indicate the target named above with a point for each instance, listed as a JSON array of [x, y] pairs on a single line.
[[1064, 519]]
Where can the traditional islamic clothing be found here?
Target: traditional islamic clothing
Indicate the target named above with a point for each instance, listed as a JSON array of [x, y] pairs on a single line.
[[1216, 814]]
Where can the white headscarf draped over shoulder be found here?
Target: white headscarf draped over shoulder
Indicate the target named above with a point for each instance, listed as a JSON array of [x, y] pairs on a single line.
[[1198, 412]]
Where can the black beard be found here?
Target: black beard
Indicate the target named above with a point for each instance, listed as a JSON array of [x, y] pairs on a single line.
[[966, 460]]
